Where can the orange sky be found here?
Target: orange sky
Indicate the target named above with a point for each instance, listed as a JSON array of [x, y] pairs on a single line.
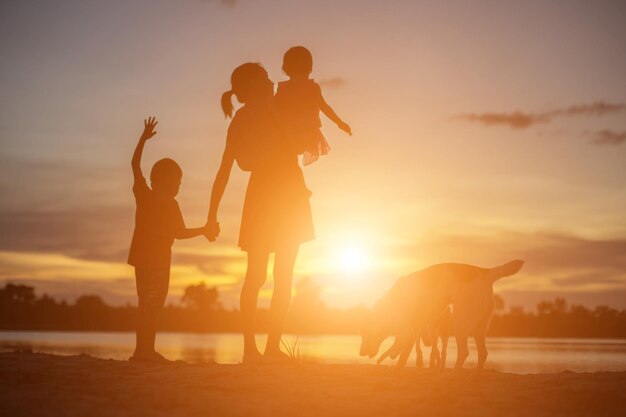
[[482, 133]]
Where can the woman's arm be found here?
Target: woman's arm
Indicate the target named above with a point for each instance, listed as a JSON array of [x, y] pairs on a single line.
[[219, 185]]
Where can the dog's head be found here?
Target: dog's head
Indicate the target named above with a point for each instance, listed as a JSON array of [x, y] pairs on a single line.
[[373, 332]]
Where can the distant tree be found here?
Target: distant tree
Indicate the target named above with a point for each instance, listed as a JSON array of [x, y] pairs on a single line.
[[201, 297], [89, 302], [516, 311], [46, 301], [605, 313], [545, 308], [21, 294], [580, 312], [560, 306]]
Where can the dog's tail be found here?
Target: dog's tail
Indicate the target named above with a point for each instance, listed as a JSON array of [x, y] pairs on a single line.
[[508, 269]]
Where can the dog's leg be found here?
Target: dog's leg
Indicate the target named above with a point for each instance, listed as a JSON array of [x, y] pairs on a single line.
[[404, 355], [392, 352], [444, 351], [481, 346], [419, 359], [462, 352], [405, 344], [434, 354]]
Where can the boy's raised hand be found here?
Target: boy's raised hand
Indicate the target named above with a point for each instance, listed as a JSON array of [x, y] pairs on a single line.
[[148, 128]]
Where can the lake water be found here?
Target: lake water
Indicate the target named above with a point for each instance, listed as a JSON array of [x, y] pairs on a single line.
[[516, 355]]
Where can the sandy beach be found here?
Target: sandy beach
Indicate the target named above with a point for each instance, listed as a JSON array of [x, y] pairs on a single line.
[[34, 384]]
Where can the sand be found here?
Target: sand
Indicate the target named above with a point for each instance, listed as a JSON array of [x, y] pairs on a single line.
[[34, 384]]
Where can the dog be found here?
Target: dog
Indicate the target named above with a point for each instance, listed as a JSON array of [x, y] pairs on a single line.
[[412, 306]]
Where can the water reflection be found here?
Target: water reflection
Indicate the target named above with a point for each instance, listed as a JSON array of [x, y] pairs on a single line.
[[517, 355]]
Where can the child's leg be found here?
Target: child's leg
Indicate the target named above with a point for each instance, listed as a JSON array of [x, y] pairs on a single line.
[[284, 262], [254, 280], [160, 281], [141, 280], [152, 286]]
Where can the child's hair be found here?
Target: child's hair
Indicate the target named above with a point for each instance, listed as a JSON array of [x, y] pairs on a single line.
[[246, 80], [165, 169], [297, 60]]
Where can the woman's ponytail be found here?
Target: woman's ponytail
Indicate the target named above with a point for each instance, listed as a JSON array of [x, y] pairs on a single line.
[[227, 104]]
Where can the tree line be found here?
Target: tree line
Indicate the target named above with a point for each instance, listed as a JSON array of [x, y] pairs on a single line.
[[200, 310]]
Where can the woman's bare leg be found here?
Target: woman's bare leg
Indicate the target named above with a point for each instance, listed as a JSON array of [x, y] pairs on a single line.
[[254, 280], [284, 263]]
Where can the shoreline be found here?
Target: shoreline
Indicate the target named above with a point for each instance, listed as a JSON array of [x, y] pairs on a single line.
[[83, 385], [294, 334], [509, 355]]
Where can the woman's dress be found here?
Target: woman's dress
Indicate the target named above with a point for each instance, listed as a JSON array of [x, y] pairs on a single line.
[[276, 211]]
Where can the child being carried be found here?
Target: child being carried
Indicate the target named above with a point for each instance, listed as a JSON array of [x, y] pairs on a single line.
[[300, 100]]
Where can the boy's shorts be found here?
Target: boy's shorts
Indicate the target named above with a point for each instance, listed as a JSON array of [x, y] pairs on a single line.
[[152, 286]]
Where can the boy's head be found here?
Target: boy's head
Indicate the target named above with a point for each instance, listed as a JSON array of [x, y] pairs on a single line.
[[166, 176], [298, 61]]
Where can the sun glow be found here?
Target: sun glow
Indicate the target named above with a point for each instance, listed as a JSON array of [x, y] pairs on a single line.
[[352, 259]]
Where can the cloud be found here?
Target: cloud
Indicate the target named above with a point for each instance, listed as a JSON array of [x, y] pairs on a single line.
[[66, 277], [559, 252], [553, 261], [231, 4], [608, 137], [96, 234], [515, 120], [28, 182], [588, 280], [524, 120], [226, 3], [210, 264], [529, 299], [333, 83], [599, 108], [102, 234]]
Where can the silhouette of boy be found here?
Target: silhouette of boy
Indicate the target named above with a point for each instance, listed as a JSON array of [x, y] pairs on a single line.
[[300, 102], [158, 221]]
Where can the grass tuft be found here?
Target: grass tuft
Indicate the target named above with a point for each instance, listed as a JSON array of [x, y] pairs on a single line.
[[292, 349]]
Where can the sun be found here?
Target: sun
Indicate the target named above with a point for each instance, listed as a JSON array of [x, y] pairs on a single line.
[[352, 259]]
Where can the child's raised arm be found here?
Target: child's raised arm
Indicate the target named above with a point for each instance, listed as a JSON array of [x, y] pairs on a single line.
[[330, 113], [148, 132]]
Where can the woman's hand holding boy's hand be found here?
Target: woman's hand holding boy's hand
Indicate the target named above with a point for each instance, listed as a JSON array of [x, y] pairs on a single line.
[[148, 128], [212, 230]]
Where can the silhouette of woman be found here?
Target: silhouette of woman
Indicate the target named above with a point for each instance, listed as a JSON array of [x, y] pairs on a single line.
[[276, 213]]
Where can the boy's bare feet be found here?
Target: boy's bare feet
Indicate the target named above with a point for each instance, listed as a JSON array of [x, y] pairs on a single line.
[[277, 357], [152, 357], [252, 358], [156, 357], [140, 357]]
